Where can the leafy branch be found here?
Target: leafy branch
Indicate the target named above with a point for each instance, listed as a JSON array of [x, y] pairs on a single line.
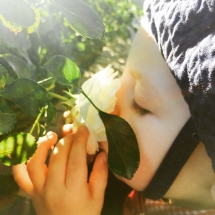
[[37, 120], [20, 87]]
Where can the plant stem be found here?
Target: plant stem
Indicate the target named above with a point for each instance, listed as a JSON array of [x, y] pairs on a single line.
[[58, 96], [89, 100], [37, 120]]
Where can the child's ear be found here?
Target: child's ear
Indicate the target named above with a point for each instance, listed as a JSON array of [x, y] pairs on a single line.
[[213, 191]]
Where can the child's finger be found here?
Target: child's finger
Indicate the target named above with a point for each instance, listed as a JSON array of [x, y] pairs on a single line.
[[58, 161], [98, 177], [213, 192], [66, 129], [36, 166], [22, 178], [77, 163], [66, 114]]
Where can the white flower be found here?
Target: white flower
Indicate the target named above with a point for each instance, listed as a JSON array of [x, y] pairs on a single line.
[[101, 89]]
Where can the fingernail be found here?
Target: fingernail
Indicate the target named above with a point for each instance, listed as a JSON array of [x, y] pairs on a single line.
[[49, 134]]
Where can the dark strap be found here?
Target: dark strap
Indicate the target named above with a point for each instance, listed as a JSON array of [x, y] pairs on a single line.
[[176, 157]]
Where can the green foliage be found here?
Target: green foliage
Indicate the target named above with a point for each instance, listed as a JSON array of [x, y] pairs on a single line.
[[27, 94], [16, 42], [82, 18], [50, 112], [45, 48], [3, 76], [7, 122], [121, 18], [12, 18], [63, 70], [117, 16], [20, 67], [17, 148]]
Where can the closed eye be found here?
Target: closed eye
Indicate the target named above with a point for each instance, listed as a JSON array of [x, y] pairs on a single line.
[[139, 110]]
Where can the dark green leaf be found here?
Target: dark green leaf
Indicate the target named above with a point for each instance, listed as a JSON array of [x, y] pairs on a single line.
[[5, 107], [82, 18], [123, 150], [63, 70], [7, 121], [3, 76], [19, 66], [19, 40], [27, 94], [50, 113], [17, 148], [17, 14]]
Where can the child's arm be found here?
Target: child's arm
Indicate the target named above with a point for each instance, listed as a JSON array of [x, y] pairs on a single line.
[[63, 186]]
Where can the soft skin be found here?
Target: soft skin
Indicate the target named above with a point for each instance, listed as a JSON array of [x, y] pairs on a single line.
[[148, 81], [62, 187]]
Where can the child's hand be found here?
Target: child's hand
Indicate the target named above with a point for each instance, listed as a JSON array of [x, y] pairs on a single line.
[[213, 191], [63, 186]]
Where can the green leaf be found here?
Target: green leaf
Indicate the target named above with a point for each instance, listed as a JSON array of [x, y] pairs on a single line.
[[7, 121], [19, 40], [123, 150], [27, 94], [63, 70], [82, 18], [3, 76], [17, 148], [17, 15], [50, 112], [5, 107], [19, 66]]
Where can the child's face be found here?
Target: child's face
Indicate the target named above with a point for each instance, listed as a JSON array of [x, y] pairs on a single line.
[[151, 102]]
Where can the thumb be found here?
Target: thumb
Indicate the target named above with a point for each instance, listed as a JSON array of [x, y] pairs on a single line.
[[99, 176]]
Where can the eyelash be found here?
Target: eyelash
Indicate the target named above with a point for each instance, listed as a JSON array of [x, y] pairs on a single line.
[[139, 110]]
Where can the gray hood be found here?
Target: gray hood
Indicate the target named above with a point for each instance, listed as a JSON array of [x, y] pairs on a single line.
[[185, 33]]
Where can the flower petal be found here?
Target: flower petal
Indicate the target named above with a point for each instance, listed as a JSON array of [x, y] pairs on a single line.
[[101, 89]]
